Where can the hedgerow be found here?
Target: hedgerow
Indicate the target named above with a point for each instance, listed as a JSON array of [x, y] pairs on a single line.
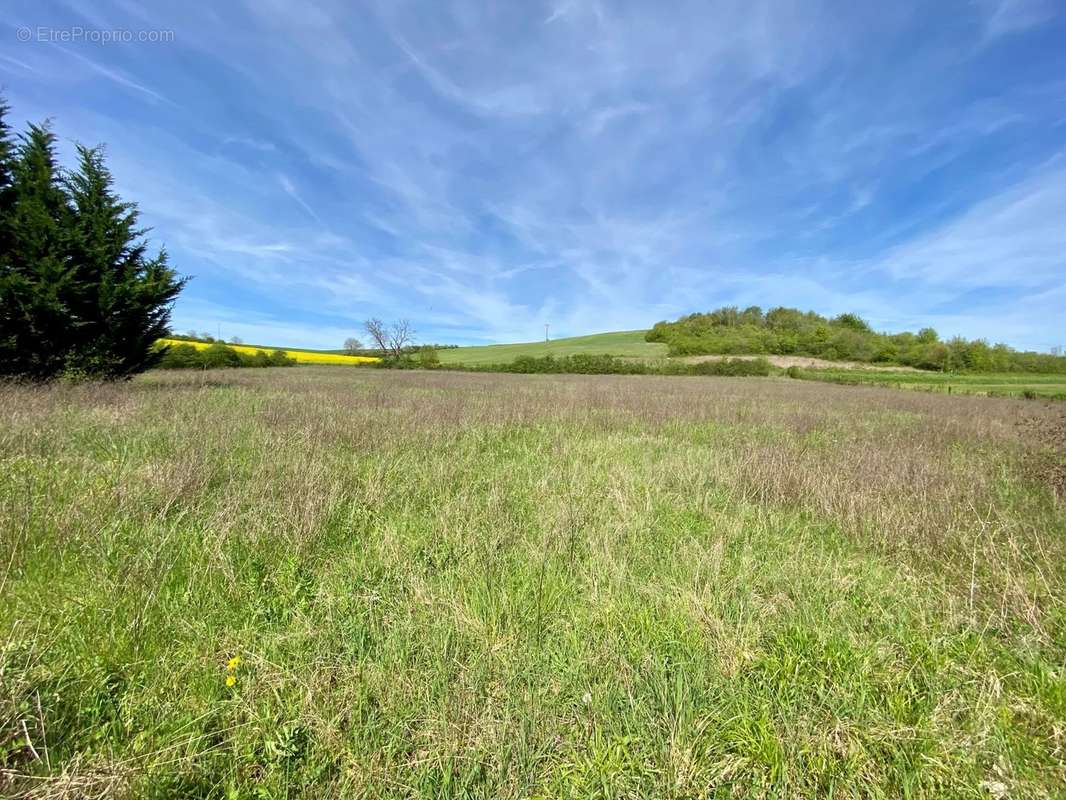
[[218, 356], [584, 364]]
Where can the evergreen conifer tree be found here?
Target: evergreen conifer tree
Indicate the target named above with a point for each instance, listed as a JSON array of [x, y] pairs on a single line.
[[79, 292], [6, 153], [36, 329], [6, 200], [121, 295]]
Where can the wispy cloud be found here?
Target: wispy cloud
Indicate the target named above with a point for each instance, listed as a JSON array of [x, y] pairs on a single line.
[[290, 190], [113, 75], [1009, 16], [1014, 239], [484, 169], [14, 62]]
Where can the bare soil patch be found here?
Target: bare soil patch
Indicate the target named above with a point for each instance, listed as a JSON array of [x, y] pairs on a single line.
[[784, 362]]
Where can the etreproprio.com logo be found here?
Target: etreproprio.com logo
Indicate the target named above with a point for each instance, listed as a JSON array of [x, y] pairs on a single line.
[[77, 34]]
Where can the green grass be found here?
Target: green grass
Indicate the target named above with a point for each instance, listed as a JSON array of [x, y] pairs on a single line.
[[995, 384], [618, 343], [446, 585]]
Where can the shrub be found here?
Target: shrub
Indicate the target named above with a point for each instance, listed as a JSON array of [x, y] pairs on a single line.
[[279, 358], [259, 359], [219, 355], [736, 367], [427, 357], [580, 363], [181, 356], [583, 364]]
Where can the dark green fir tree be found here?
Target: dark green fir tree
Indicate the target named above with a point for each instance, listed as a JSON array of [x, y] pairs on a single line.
[[80, 295], [121, 295], [37, 331]]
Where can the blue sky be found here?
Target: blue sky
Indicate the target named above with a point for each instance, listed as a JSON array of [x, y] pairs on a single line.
[[484, 168]]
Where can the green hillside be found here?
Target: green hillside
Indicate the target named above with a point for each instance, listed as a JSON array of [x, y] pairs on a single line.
[[847, 337], [617, 343]]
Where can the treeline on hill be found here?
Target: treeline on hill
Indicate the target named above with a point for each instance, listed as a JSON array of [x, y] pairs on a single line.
[[80, 295], [583, 364], [220, 355], [789, 331]]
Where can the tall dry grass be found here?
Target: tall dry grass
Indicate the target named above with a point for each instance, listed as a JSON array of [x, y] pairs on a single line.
[[445, 584]]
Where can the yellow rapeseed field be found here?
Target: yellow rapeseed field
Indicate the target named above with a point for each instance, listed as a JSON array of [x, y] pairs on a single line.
[[301, 356]]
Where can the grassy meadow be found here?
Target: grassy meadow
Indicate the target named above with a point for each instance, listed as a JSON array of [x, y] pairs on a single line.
[[1006, 384], [318, 583], [624, 344]]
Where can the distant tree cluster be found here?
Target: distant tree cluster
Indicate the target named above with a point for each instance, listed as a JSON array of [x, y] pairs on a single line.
[[788, 331], [219, 356], [80, 295]]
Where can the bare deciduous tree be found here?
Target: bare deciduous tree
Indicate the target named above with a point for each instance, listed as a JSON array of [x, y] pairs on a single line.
[[379, 335], [352, 345], [401, 337], [390, 340]]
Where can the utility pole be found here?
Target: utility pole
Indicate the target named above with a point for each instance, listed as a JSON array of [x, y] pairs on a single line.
[[545, 331]]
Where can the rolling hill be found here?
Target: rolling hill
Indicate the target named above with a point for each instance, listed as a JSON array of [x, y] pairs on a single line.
[[629, 344]]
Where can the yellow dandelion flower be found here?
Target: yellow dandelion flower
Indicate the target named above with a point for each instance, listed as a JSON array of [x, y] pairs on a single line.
[[231, 680], [233, 663]]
